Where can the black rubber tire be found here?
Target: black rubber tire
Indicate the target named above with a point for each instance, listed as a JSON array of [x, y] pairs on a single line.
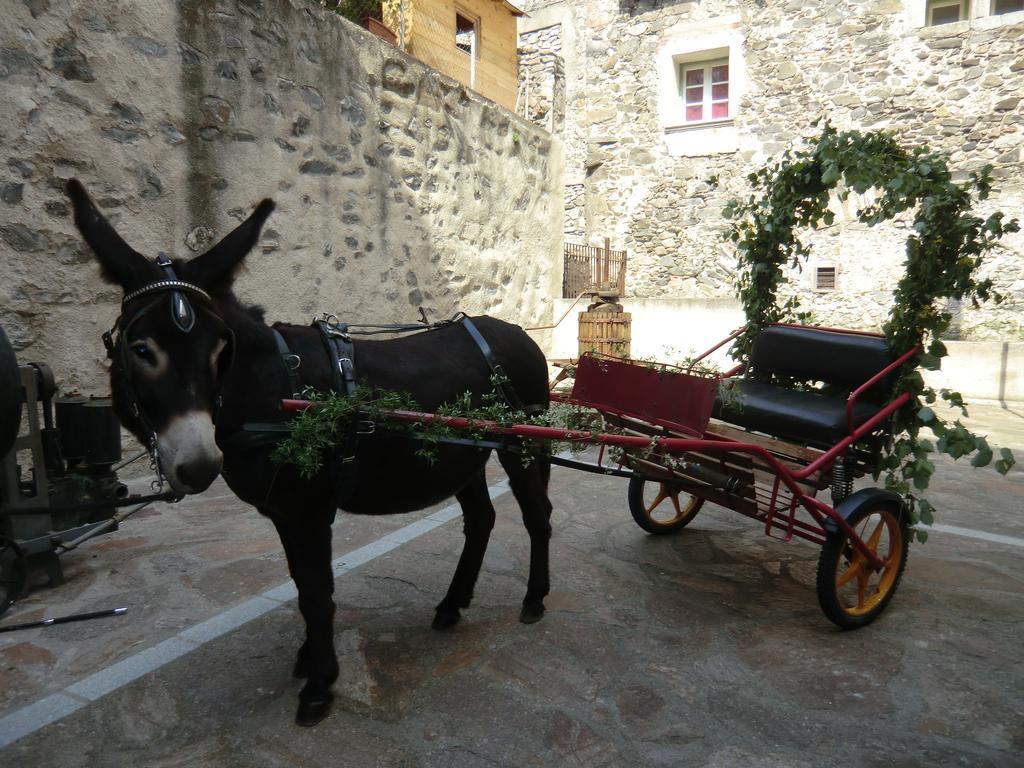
[[638, 508], [837, 552], [13, 574]]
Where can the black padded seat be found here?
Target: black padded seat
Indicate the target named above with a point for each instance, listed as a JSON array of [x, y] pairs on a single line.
[[806, 417], [805, 353]]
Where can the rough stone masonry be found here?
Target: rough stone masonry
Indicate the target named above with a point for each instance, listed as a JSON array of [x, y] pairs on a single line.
[[396, 187], [863, 65]]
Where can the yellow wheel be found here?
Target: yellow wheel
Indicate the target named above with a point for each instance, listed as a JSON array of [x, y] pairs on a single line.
[[852, 593], [661, 507]]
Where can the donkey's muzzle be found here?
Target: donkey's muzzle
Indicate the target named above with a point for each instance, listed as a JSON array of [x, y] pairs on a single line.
[[189, 456], [195, 476]]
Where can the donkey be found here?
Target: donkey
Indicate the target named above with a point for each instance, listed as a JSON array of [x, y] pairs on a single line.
[[191, 366]]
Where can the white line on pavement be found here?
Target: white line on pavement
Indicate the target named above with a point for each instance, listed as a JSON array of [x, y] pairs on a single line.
[[970, 533], [57, 706]]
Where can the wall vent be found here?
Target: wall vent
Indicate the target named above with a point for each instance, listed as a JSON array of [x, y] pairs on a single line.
[[825, 278]]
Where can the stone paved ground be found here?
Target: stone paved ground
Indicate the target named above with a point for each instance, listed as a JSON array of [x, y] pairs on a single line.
[[706, 648]]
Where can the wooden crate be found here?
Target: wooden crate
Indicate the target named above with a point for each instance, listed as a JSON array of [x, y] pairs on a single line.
[[605, 332]]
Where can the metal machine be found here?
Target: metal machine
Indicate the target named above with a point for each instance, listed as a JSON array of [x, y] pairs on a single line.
[[59, 458]]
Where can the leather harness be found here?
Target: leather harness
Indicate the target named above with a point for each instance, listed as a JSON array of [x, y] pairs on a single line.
[[337, 340]]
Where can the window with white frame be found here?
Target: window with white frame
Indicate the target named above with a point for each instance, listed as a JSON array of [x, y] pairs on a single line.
[[946, 12], [701, 77], [978, 14], [999, 7], [467, 34], [704, 86]]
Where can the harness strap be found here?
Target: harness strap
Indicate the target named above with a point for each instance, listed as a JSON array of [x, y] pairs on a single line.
[[502, 381], [375, 329], [291, 362], [342, 355]]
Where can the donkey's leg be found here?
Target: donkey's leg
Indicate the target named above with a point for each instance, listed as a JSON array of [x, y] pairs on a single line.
[[477, 522], [307, 545], [530, 487]]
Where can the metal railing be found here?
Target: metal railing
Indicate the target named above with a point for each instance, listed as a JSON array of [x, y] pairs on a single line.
[[592, 269]]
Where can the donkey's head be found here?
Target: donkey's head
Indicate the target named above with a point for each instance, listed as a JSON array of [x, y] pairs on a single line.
[[170, 348]]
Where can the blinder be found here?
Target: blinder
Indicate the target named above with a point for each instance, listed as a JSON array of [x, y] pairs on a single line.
[[181, 311]]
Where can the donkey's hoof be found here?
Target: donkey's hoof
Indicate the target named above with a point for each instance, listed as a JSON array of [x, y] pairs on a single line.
[[446, 619], [531, 613], [312, 711]]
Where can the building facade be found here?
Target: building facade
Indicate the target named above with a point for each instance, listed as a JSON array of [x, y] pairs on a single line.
[[473, 41], [660, 97]]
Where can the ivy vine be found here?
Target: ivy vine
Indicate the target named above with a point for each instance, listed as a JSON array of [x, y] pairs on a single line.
[[316, 431], [944, 254]]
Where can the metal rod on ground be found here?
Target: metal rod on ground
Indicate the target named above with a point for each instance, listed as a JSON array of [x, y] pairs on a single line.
[[65, 619], [129, 460], [117, 519]]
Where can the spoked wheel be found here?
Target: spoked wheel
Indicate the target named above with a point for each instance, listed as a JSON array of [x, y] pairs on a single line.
[[13, 573], [851, 593], [661, 508]]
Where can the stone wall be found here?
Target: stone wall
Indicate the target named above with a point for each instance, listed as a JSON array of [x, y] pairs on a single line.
[[541, 97], [396, 187], [862, 65]]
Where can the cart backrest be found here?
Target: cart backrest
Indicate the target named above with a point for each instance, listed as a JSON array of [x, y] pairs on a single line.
[[818, 354]]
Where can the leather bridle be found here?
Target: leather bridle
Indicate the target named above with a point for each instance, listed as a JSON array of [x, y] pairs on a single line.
[[184, 316]]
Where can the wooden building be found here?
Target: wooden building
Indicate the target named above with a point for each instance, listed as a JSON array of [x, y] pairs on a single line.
[[473, 41]]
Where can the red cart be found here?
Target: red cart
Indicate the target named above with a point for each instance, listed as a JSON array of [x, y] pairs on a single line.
[[763, 440]]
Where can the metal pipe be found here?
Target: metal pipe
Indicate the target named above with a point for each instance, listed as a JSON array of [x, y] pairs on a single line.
[[734, 335], [904, 358], [105, 526], [125, 462], [65, 619], [549, 327]]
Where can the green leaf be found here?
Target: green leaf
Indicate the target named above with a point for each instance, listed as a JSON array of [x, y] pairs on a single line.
[[982, 458], [921, 481], [927, 511], [1005, 464], [926, 415]]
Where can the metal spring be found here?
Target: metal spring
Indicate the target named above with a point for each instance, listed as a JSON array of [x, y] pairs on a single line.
[[842, 480]]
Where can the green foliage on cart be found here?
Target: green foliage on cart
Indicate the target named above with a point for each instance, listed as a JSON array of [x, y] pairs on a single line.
[[322, 427], [945, 252]]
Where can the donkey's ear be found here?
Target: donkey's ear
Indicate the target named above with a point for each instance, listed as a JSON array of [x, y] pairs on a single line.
[[120, 262], [215, 269]]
